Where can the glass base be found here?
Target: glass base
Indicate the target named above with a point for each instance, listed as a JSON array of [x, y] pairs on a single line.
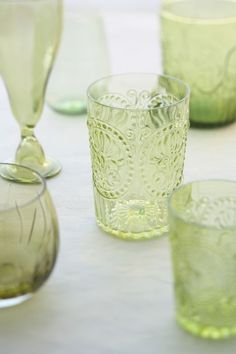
[[207, 332], [70, 107], [49, 169], [207, 125], [134, 236], [4, 303], [132, 219]]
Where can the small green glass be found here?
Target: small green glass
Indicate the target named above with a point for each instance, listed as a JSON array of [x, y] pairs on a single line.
[[199, 47], [28, 235], [202, 218], [83, 40], [138, 126]]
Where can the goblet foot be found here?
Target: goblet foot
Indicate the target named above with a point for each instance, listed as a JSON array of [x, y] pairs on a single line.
[[49, 168], [30, 154]]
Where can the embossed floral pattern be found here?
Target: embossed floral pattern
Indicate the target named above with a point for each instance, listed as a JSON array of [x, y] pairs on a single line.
[[138, 100], [202, 234], [220, 212], [137, 141], [137, 216], [111, 158], [162, 160]]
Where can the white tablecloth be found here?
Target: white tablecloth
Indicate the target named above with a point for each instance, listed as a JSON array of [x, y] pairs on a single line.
[[107, 296]]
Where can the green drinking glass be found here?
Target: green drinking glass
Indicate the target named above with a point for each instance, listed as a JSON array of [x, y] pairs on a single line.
[[138, 126], [29, 37], [28, 235], [75, 67], [199, 47], [202, 218]]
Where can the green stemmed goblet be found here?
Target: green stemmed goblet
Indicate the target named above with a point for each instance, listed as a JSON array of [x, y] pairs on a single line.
[[30, 32]]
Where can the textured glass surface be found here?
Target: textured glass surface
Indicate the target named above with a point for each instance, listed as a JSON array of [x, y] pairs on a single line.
[[199, 47], [202, 234], [138, 128], [28, 236], [29, 37], [82, 58]]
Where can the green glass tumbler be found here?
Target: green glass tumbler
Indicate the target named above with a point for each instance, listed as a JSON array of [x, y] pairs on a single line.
[[202, 218], [28, 235], [138, 126], [75, 66], [199, 47]]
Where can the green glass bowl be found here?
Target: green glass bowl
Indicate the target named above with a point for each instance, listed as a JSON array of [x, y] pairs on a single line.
[[28, 234]]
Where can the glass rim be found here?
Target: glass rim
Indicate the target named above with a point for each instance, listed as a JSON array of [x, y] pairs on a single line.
[[164, 13], [173, 211], [168, 77], [31, 200]]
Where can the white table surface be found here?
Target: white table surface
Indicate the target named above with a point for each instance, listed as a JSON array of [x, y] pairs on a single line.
[[107, 296]]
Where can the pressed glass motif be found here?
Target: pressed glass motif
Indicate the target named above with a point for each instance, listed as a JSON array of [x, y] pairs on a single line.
[[202, 234], [138, 128]]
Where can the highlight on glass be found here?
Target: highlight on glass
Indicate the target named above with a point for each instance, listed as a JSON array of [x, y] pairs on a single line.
[[202, 218], [28, 235], [29, 38], [138, 126]]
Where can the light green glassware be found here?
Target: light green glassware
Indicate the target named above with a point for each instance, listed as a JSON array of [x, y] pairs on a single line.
[[202, 217], [29, 37], [138, 127], [28, 235], [83, 56], [199, 47]]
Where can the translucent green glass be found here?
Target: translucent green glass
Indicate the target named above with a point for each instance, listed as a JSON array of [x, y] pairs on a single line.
[[138, 127], [83, 56], [29, 37], [199, 47], [28, 236], [202, 217]]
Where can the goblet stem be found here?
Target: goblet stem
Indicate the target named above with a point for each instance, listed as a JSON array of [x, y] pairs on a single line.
[[29, 152]]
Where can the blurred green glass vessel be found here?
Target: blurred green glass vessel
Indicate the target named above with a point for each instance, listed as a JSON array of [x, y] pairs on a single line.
[[138, 127], [199, 47], [29, 37], [28, 235], [202, 217], [83, 56]]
